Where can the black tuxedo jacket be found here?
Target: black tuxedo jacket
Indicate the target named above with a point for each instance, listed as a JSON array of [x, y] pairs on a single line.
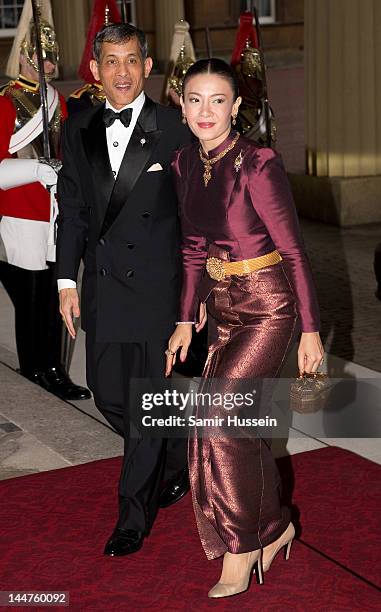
[[126, 230]]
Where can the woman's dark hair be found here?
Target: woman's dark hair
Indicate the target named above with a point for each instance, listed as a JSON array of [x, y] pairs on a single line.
[[119, 33], [216, 66]]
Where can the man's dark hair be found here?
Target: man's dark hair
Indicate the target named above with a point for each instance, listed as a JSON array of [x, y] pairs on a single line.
[[119, 33], [213, 65]]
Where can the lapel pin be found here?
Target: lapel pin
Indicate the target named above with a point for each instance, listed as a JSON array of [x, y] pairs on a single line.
[[143, 141]]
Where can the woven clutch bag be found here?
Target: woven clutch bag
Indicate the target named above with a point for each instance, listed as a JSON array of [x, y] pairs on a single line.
[[309, 392]]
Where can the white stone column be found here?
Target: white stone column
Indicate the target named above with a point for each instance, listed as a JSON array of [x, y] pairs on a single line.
[[71, 20], [167, 13]]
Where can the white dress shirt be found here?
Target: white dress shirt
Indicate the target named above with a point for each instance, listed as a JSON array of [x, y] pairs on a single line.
[[118, 138]]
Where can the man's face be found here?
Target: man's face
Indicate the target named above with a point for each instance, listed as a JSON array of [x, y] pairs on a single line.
[[30, 72], [122, 71]]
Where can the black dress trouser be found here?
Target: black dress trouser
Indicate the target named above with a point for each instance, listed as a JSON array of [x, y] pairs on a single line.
[[147, 460], [38, 321]]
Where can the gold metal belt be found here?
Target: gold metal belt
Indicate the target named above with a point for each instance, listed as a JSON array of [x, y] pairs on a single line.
[[218, 269]]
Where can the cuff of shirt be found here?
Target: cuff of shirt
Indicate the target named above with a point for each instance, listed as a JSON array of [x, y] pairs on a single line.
[[185, 322], [66, 283]]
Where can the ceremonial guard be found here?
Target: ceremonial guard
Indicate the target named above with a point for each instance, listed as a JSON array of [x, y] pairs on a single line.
[[182, 56], [255, 118], [86, 96], [27, 203]]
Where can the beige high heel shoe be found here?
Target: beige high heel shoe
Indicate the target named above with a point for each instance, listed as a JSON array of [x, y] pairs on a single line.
[[254, 562], [270, 551]]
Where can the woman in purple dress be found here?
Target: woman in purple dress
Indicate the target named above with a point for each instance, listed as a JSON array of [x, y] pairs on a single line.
[[243, 257]]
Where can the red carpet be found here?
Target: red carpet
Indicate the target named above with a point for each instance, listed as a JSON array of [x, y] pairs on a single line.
[[54, 526]]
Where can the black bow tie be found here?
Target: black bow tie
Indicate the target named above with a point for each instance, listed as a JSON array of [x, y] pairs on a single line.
[[109, 116]]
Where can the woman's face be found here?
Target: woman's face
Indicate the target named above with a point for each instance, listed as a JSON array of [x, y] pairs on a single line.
[[208, 105]]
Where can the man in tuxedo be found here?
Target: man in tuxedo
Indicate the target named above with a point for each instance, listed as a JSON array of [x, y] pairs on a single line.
[[118, 211]]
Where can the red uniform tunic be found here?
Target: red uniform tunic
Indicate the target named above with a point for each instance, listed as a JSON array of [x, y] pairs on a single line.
[[31, 201]]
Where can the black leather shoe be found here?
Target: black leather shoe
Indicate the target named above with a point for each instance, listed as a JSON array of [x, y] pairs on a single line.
[[32, 376], [174, 490], [56, 381], [123, 542]]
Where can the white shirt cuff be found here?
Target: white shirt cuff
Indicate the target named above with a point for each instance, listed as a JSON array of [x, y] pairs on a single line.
[[185, 322], [66, 283]]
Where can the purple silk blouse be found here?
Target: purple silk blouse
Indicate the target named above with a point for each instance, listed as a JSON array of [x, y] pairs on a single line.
[[246, 209]]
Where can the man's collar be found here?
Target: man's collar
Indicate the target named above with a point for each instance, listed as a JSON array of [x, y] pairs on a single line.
[[136, 104], [147, 117]]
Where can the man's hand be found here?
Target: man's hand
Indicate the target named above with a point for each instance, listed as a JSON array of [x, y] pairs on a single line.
[[69, 308]]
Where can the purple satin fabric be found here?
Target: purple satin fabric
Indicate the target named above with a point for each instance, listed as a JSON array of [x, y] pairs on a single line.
[[248, 213], [235, 482], [245, 211]]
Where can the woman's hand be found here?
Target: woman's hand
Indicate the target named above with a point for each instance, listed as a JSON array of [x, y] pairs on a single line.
[[310, 352], [182, 336], [202, 318]]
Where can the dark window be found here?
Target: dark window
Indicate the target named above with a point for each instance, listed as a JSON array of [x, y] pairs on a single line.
[[130, 10], [10, 11]]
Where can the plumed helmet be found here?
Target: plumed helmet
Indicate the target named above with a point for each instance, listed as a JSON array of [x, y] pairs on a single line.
[[49, 44], [182, 56], [25, 39]]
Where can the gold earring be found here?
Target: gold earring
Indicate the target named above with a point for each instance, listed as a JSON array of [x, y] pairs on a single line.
[[184, 120], [234, 119]]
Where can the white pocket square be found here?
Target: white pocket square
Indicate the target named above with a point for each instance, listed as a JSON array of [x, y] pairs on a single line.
[[155, 168]]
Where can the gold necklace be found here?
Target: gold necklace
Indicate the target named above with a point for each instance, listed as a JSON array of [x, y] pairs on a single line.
[[208, 163]]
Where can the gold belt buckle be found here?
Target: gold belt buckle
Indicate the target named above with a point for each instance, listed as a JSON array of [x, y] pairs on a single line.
[[215, 268]]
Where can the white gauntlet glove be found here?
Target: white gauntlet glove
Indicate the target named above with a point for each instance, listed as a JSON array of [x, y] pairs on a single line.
[[17, 172], [46, 173]]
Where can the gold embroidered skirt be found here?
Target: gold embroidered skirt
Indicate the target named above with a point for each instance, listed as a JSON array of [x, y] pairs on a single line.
[[234, 480]]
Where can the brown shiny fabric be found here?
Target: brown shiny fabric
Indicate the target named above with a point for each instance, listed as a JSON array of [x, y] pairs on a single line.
[[235, 482]]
